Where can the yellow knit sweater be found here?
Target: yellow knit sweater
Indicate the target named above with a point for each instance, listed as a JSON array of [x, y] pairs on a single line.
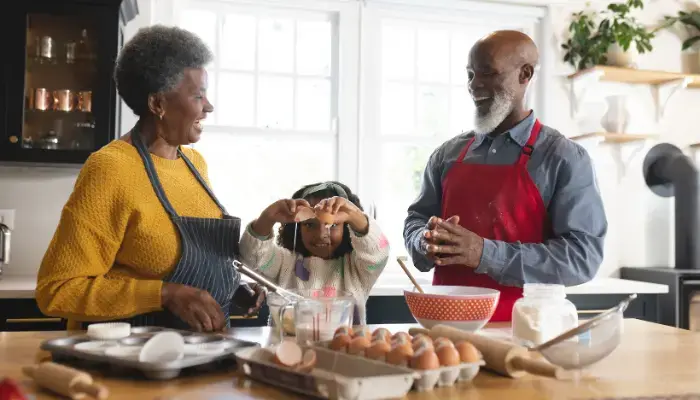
[[115, 241]]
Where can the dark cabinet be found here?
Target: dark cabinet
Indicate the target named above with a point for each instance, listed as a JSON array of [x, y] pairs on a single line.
[[59, 101]]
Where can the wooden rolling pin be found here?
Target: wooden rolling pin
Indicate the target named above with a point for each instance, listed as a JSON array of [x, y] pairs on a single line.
[[65, 381], [505, 358]]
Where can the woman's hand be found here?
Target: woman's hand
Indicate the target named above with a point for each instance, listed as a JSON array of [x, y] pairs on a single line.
[[194, 306], [260, 295], [345, 211], [282, 211]]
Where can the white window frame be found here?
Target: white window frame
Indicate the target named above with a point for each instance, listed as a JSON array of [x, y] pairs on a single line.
[[356, 126]]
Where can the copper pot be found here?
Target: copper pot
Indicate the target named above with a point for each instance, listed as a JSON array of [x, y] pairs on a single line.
[[42, 99], [85, 101], [64, 100]]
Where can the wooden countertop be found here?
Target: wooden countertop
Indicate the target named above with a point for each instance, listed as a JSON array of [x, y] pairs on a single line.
[[651, 360]]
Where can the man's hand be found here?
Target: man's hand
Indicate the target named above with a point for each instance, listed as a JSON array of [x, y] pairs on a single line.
[[428, 235], [449, 243]]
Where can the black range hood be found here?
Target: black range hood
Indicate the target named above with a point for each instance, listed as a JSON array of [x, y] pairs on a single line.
[[668, 172]]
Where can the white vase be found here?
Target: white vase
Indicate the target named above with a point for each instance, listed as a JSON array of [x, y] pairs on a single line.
[[617, 57], [617, 117]]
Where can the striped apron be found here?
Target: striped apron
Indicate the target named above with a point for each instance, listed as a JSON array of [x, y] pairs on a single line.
[[209, 246]]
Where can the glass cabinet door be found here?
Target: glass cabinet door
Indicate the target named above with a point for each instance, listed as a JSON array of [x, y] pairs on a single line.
[[60, 78]]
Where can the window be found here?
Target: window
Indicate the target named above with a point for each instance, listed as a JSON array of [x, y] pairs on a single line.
[[362, 92]]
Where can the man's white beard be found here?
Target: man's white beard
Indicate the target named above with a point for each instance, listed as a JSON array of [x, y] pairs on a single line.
[[500, 108]]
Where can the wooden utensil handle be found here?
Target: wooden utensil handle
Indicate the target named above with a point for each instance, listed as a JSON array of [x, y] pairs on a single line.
[[409, 274], [535, 367], [95, 390], [418, 331]]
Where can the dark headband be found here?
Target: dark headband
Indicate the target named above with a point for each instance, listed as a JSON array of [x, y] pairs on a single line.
[[325, 186]]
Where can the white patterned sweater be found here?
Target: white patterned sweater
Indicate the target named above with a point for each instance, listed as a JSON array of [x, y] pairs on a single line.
[[355, 273]]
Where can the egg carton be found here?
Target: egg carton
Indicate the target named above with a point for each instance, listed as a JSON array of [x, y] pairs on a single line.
[[334, 376], [203, 351], [426, 380]]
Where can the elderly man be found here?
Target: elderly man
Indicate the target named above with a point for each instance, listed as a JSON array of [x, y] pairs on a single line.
[[513, 202]]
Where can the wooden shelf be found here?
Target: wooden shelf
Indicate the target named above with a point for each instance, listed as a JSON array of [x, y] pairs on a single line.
[[637, 76], [615, 137]]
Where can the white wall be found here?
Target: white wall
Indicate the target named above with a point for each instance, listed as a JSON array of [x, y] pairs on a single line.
[[640, 230]]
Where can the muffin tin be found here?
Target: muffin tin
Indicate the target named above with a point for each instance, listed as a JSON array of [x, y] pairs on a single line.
[[202, 351]]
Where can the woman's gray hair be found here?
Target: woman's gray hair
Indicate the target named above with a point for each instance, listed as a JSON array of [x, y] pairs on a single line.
[[154, 61]]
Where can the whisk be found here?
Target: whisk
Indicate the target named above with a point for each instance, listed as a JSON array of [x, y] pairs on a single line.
[[266, 283]]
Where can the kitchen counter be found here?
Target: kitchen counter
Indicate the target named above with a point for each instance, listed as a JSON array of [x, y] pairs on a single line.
[[651, 360], [22, 287]]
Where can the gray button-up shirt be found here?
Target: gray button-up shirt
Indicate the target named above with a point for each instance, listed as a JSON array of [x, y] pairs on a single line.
[[562, 171]]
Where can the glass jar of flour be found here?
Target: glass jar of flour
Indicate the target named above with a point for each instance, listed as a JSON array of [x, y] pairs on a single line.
[[542, 314]]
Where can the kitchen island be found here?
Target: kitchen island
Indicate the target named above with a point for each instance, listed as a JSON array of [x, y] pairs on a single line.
[[652, 360]]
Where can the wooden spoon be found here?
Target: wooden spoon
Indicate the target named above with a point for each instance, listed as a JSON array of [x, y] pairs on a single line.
[[410, 276]]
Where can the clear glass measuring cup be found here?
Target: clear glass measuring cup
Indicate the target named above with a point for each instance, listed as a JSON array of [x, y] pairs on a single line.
[[318, 314]]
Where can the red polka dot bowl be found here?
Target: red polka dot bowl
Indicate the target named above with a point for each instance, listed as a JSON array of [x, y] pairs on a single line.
[[463, 307]]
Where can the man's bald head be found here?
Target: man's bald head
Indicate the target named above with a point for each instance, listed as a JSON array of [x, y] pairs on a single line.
[[501, 66]]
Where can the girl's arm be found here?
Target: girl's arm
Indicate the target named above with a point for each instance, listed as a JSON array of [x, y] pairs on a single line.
[[369, 257], [260, 252]]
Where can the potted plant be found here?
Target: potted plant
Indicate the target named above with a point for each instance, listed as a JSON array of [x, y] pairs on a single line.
[[608, 37], [688, 24]]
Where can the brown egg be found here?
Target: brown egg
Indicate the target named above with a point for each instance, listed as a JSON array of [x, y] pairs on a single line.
[[425, 359], [423, 341], [345, 330], [381, 334], [378, 350], [341, 342], [362, 331], [403, 336], [442, 341], [325, 217], [358, 346], [447, 355], [400, 355], [467, 352]]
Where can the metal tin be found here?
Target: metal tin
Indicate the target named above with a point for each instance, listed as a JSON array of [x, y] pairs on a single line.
[[63, 350], [46, 48], [85, 101], [70, 52]]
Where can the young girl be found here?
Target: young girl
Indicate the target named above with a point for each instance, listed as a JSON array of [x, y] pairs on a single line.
[[347, 256]]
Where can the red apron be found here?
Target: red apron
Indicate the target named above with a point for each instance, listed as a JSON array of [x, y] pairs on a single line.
[[498, 202]]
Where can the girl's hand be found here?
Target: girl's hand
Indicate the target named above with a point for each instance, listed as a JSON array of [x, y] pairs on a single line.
[[345, 212], [282, 211]]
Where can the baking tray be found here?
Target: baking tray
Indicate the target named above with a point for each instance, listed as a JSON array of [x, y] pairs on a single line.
[[64, 350], [335, 376]]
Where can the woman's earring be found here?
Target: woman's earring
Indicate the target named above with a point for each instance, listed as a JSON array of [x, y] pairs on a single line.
[[160, 116]]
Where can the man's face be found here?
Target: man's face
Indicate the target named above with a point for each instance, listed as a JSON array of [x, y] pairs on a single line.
[[494, 84]]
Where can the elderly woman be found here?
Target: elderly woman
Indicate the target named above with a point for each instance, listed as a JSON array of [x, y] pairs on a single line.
[[142, 237]]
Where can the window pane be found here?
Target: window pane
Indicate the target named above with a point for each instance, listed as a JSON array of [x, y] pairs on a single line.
[[433, 110], [275, 102], [397, 109], [236, 99], [211, 95], [398, 52], [238, 42], [313, 104], [202, 23], [461, 112], [249, 173], [401, 176], [276, 44], [433, 55], [314, 47]]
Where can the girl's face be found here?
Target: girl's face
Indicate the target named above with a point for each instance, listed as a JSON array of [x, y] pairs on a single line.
[[321, 240]]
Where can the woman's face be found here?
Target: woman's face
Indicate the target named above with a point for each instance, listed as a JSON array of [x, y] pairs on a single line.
[[185, 107], [321, 240]]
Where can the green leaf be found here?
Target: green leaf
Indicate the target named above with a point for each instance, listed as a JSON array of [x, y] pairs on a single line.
[[690, 42]]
